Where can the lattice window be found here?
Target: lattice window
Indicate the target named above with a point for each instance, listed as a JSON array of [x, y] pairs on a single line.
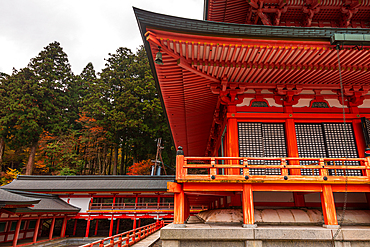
[[262, 140], [311, 143], [340, 143], [366, 130], [327, 140]]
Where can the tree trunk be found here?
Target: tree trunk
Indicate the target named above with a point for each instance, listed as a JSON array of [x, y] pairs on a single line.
[[31, 158], [2, 148], [122, 161], [110, 162], [115, 159]]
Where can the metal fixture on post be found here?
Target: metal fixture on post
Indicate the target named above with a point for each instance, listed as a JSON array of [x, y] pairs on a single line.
[[158, 57]]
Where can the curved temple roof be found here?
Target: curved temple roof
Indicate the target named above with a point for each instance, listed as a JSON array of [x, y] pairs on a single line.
[[318, 13], [89, 183], [200, 58]]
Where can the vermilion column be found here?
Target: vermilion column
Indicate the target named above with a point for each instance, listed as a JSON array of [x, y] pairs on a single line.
[[75, 227], [117, 230], [328, 206], [96, 227], [52, 228], [232, 145], [16, 234], [111, 227], [134, 224], [87, 228], [179, 210], [36, 231], [292, 147], [64, 226], [248, 206]]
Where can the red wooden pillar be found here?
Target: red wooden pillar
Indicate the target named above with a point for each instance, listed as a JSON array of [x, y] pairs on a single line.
[[75, 227], [179, 210], [248, 206], [111, 226], [117, 230], [87, 228], [136, 199], [328, 206], [299, 199], [139, 223], [292, 146], [64, 226], [16, 233], [232, 145], [359, 137], [36, 231], [96, 227], [52, 228], [134, 224]]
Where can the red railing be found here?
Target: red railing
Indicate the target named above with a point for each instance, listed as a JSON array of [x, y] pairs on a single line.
[[351, 170], [152, 205], [127, 238]]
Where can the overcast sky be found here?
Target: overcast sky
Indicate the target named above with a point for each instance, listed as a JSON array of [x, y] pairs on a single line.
[[86, 29]]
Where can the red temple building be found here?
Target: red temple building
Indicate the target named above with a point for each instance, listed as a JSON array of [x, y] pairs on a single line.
[[269, 101]]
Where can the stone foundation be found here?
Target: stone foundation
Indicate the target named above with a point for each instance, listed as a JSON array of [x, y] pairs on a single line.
[[227, 235]]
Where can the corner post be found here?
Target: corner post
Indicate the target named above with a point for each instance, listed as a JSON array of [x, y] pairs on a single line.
[[328, 206], [248, 207], [180, 172], [179, 211]]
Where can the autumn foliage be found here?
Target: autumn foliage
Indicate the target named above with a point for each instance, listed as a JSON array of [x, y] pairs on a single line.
[[8, 176], [141, 168]]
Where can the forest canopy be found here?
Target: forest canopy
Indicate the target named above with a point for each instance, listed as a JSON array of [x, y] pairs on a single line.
[[55, 122]]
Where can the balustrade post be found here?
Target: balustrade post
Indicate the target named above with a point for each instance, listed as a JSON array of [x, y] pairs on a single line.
[[245, 169], [323, 171], [248, 207], [128, 239], [180, 172], [328, 206], [284, 170], [213, 169], [367, 165], [120, 241]]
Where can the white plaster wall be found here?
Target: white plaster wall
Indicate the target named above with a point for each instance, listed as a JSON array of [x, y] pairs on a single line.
[[10, 237], [246, 102], [82, 203], [20, 235], [272, 103], [29, 234], [334, 103], [303, 103], [366, 104], [313, 197], [262, 196], [2, 238]]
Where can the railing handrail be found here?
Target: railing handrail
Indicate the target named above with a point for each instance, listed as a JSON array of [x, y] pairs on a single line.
[[128, 238], [323, 166]]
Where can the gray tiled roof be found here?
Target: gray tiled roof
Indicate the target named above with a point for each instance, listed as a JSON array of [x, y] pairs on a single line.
[[171, 23], [9, 198], [42, 202], [90, 183]]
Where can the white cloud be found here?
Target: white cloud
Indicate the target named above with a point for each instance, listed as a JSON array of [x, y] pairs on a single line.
[[87, 29]]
